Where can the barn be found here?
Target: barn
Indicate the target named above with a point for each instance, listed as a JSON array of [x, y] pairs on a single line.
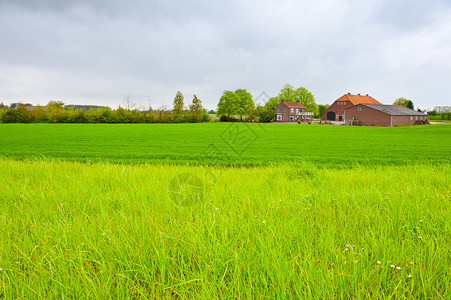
[[383, 115], [337, 110]]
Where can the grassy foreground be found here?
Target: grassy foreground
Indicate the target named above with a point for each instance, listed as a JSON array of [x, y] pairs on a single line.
[[73, 230]]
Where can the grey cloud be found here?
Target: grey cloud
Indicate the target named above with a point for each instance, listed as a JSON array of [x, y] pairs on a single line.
[[103, 50]]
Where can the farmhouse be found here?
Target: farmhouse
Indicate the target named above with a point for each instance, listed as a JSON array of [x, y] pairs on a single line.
[[383, 115], [292, 112], [336, 111]]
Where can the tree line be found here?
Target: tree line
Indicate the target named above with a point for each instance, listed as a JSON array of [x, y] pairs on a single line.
[[239, 104], [57, 112]]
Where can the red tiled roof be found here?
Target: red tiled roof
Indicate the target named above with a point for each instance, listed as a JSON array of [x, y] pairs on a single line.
[[357, 99], [294, 104]]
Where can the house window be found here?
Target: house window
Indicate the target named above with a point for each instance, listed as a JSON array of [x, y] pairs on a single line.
[[411, 118], [279, 117], [297, 111], [416, 118], [292, 110], [359, 109]]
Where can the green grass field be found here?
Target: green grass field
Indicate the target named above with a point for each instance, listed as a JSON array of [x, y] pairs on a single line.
[[228, 144], [355, 212]]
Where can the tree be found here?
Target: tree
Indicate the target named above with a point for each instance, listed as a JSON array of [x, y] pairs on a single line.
[[179, 107], [55, 104], [321, 109], [267, 113], [238, 103], [306, 98], [410, 105], [228, 105], [401, 101], [245, 104], [195, 110], [129, 103]]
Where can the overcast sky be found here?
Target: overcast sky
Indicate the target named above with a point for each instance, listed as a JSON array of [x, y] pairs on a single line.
[[99, 52]]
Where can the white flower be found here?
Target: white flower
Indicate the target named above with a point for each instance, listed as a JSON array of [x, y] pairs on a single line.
[[411, 262], [399, 268], [1, 269], [264, 221], [410, 276], [379, 262], [421, 221], [392, 266], [346, 249]]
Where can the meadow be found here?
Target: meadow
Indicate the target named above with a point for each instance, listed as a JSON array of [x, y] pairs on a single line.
[[227, 144], [136, 211]]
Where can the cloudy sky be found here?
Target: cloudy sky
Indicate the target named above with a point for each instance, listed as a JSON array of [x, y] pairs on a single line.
[[100, 52]]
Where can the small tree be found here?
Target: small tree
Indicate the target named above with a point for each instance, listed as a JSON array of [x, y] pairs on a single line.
[[321, 109], [410, 105], [195, 110], [245, 104], [179, 107], [401, 101]]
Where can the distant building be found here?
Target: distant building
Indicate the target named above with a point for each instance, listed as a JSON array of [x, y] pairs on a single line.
[[292, 112], [336, 111], [383, 115], [442, 109]]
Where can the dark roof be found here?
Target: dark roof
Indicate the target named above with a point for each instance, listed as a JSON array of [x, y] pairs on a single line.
[[394, 110], [294, 104]]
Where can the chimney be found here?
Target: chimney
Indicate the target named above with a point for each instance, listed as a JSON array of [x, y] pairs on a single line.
[[298, 101], [349, 93], [367, 94], [358, 94], [282, 101]]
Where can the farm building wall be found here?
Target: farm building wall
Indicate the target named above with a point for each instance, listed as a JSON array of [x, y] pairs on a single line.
[[408, 120], [371, 117], [367, 116], [338, 107], [284, 113]]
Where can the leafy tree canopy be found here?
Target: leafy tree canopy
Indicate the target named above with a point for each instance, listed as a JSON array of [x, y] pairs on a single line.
[[403, 102], [238, 103], [290, 94]]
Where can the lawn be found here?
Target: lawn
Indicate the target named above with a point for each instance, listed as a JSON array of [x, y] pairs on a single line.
[[285, 211]]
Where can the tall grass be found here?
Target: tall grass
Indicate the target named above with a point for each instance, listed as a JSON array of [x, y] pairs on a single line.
[[73, 230]]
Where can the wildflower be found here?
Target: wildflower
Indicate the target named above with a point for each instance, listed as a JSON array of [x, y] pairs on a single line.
[[379, 262], [410, 276], [355, 261], [411, 262], [264, 221], [346, 249], [421, 221], [392, 266], [1, 269], [398, 268], [419, 237]]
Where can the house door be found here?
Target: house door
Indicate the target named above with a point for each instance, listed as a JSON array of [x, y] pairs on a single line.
[[291, 119], [340, 118], [330, 116]]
